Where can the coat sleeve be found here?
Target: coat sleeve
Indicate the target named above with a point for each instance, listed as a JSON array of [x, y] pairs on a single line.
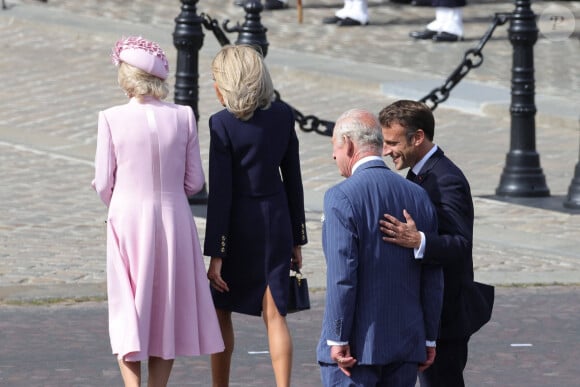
[[220, 191], [340, 244], [431, 285], [105, 161], [454, 237], [292, 178], [194, 176], [432, 299]]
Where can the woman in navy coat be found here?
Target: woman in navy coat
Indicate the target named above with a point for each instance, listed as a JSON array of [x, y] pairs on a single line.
[[255, 215]]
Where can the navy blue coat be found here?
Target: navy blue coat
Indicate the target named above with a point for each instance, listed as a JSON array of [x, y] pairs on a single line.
[[465, 308], [255, 212], [379, 298]]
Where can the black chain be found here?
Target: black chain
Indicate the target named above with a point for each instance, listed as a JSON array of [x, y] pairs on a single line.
[[213, 25], [473, 58], [310, 123]]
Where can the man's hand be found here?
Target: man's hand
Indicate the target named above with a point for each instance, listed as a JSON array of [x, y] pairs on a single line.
[[430, 359], [399, 233], [341, 355], [214, 275]]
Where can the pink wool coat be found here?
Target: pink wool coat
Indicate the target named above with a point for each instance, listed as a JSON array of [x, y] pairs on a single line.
[[147, 163]]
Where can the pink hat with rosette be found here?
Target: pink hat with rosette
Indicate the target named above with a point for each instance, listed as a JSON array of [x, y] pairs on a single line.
[[143, 54]]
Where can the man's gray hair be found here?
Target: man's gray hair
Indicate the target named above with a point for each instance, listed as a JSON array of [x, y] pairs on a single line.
[[362, 127]]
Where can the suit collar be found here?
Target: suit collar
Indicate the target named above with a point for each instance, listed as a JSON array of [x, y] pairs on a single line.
[[419, 166], [372, 162], [429, 164]]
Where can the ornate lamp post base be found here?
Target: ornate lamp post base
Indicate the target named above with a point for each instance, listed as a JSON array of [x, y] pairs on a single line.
[[522, 176], [573, 199]]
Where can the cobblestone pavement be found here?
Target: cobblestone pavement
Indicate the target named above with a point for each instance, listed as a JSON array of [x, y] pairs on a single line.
[[52, 232], [532, 341], [384, 41], [56, 74]]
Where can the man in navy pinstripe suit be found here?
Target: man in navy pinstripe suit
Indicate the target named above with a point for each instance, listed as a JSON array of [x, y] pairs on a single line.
[[382, 307], [408, 130]]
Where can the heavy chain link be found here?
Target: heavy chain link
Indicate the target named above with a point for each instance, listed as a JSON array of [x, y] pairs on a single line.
[[310, 123], [213, 25], [473, 58]]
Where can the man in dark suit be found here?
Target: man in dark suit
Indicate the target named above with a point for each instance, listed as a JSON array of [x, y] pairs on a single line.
[[382, 306], [408, 129]]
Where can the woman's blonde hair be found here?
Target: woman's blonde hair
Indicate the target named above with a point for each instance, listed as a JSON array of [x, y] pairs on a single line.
[[138, 83], [243, 80]]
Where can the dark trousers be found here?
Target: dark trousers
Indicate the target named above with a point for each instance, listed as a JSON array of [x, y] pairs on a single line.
[[390, 375], [447, 370]]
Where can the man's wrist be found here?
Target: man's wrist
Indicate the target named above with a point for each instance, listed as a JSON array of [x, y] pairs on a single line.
[[339, 343], [420, 250]]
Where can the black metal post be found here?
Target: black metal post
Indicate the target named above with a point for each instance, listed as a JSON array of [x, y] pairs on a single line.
[[252, 31], [522, 175], [573, 199], [188, 39]]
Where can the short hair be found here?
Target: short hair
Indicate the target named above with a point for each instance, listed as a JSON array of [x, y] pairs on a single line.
[[411, 115], [138, 83], [362, 127], [243, 80]]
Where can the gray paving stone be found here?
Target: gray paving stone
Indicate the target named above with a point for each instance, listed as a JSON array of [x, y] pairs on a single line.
[[58, 76]]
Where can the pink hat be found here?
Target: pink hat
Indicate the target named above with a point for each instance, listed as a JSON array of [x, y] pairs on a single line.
[[143, 54]]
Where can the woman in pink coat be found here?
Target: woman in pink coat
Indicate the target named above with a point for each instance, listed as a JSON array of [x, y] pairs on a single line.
[[147, 163]]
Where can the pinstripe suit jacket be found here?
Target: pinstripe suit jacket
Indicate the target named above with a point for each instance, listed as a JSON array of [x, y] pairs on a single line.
[[379, 298]]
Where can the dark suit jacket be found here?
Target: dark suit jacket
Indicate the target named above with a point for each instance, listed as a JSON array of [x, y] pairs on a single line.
[[465, 307], [255, 212], [379, 298]]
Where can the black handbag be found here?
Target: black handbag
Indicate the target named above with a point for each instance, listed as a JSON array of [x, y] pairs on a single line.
[[478, 300], [298, 297]]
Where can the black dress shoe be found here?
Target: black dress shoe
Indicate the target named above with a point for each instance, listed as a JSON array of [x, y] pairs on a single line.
[[331, 20], [421, 3], [446, 37], [348, 22], [275, 4], [425, 34]]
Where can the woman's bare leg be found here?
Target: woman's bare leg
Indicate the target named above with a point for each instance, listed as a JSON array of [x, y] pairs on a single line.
[[131, 373], [159, 371], [279, 340], [220, 362]]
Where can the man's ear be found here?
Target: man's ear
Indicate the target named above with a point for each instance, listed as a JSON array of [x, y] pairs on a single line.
[[350, 145], [418, 137]]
